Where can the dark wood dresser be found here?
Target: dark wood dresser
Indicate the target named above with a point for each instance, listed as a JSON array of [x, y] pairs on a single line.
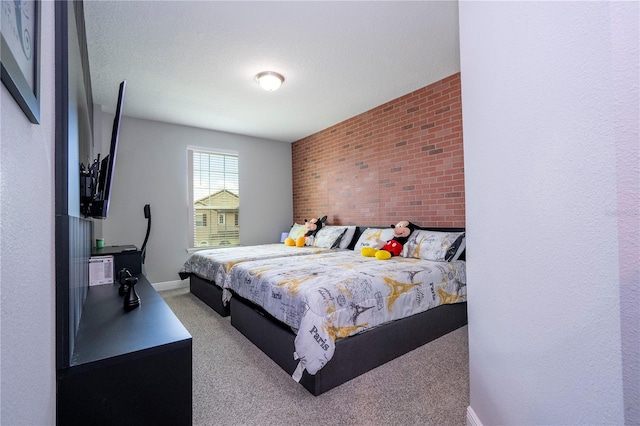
[[127, 367]]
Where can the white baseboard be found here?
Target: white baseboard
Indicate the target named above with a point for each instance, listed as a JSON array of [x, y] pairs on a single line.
[[170, 285], [472, 418]]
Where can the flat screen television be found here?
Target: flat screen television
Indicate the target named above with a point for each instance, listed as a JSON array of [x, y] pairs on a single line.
[[97, 181]]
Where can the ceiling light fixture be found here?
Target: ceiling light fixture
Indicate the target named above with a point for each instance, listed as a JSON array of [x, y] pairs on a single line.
[[269, 80]]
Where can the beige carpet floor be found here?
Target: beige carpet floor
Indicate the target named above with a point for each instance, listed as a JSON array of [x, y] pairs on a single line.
[[234, 383]]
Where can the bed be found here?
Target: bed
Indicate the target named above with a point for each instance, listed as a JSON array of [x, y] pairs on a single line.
[[328, 317], [206, 269]]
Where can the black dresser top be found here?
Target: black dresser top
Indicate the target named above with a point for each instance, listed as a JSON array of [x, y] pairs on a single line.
[[106, 330]]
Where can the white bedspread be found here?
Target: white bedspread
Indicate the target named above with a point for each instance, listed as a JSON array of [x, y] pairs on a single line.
[[340, 293], [214, 264]]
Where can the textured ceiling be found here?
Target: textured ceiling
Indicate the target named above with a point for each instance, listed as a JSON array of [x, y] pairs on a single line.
[[193, 62]]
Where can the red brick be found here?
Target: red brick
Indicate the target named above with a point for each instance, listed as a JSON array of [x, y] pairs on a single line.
[[376, 168]]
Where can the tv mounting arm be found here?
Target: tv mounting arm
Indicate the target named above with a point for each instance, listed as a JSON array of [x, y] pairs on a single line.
[[89, 181]]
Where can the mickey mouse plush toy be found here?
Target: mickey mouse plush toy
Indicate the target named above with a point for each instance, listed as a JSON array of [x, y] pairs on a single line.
[[313, 226], [401, 232]]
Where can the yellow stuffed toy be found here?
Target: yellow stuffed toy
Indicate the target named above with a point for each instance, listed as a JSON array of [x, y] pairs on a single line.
[[385, 250], [313, 226]]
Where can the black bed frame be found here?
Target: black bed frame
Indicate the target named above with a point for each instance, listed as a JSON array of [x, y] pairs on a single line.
[[354, 355], [209, 292]]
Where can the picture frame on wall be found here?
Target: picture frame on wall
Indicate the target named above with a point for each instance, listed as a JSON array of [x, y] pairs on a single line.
[[20, 59]]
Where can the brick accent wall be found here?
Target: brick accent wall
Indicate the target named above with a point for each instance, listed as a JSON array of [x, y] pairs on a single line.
[[400, 161]]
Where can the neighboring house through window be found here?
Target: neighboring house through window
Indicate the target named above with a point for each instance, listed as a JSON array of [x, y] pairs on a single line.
[[213, 193]]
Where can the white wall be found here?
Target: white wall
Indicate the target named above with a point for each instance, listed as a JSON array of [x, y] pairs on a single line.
[[27, 250], [151, 168], [550, 112]]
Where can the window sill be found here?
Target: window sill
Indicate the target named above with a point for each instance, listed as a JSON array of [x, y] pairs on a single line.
[[196, 249]]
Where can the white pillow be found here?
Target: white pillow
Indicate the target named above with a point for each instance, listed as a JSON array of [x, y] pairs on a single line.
[[297, 231], [347, 237], [370, 237], [434, 245], [462, 245], [329, 236]]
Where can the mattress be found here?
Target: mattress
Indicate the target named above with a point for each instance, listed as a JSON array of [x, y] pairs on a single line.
[[335, 294], [214, 264]]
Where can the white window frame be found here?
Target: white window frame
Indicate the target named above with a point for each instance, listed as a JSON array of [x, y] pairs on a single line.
[[191, 246]]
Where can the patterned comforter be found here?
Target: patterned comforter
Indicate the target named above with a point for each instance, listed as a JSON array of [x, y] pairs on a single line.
[[214, 264], [336, 294]]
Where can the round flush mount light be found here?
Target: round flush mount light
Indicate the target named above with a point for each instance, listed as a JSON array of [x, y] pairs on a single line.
[[269, 80]]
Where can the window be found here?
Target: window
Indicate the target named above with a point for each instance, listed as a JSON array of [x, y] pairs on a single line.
[[213, 193], [201, 220]]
